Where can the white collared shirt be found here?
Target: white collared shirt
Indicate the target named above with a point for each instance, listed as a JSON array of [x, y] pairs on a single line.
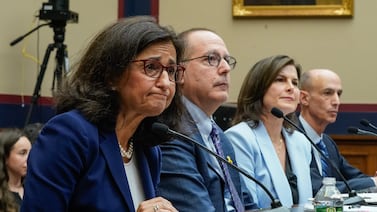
[[312, 134]]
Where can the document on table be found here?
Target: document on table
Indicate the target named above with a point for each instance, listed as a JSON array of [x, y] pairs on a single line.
[[370, 198]]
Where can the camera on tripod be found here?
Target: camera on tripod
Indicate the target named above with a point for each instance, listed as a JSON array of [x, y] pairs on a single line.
[[57, 10]]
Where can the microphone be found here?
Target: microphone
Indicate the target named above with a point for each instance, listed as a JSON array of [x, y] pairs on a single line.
[[367, 123], [352, 199], [357, 131], [163, 130]]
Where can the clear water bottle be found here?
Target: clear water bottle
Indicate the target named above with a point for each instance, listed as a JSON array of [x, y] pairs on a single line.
[[328, 198]]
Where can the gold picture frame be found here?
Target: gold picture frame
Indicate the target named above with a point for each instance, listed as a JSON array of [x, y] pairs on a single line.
[[274, 8]]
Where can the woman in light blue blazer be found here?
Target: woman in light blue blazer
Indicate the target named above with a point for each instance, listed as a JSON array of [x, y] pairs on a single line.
[[267, 147]]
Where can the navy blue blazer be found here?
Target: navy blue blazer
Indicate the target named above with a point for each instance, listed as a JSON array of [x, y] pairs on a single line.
[[75, 167], [189, 178], [355, 178]]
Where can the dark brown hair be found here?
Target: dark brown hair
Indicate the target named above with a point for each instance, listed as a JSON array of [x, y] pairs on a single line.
[[8, 137], [110, 53], [255, 86]]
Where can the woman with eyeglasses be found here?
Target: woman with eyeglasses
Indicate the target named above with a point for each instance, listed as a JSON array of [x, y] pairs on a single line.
[[97, 154]]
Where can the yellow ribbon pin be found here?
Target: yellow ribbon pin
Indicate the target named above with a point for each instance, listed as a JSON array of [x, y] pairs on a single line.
[[229, 159]]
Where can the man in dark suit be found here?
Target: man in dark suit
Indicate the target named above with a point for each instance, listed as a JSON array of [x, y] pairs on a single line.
[[320, 99], [192, 179]]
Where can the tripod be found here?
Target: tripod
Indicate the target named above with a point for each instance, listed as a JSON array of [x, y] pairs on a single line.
[[60, 68], [61, 57]]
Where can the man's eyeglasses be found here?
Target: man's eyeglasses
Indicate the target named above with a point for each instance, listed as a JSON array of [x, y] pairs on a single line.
[[214, 59], [153, 68]]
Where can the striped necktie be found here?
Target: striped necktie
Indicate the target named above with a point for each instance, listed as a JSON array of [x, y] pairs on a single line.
[[229, 183], [325, 167]]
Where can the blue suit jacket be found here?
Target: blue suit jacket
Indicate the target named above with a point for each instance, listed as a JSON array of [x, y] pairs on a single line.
[[75, 167], [355, 178], [189, 178], [255, 154]]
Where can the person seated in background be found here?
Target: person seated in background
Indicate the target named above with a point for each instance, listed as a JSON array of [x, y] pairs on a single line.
[[191, 178], [96, 154], [32, 131], [14, 151], [321, 90], [267, 147]]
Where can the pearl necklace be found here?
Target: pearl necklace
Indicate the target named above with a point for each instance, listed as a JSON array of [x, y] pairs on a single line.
[[127, 154]]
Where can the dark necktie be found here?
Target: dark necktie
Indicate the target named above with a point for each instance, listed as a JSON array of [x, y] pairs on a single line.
[[325, 171], [229, 183]]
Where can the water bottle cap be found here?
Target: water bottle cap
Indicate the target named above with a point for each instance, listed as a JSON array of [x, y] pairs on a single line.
[[328, 180]]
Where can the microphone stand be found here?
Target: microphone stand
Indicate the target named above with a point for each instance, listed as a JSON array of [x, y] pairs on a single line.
[[367, 123], [353, 199], [161, 129], [357, 131]]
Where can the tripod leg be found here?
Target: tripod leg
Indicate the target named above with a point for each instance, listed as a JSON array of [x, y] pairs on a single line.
[[61, 68], [38, 84]]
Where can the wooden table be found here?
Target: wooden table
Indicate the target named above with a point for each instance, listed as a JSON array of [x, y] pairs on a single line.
[[359, 150]]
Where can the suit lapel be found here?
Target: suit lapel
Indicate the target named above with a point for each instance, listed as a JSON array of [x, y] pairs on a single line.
[[210, 159], [114, 162], [281, 185]]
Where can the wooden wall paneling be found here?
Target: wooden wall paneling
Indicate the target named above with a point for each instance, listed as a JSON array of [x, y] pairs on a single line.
[[359, 150]]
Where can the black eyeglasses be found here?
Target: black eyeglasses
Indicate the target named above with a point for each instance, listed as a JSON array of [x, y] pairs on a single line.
[[214, 59], [153, 68]]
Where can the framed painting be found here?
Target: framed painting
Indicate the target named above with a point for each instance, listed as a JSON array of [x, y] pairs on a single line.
[[292, 8]]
